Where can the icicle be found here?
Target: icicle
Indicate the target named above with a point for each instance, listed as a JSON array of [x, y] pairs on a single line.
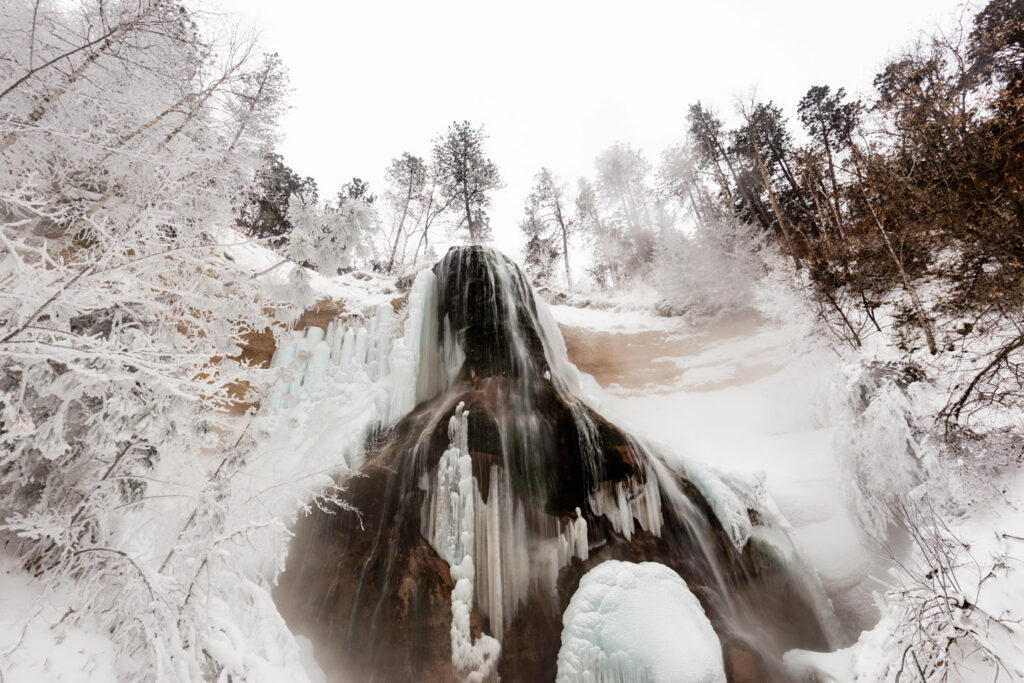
[[630, 504], [337, 337], [413, 359], [577, 536], [493, 602], [319, 360], [314, 334], [348, 348], [421, 335], [624, 516], [450, 529], [647, 506]]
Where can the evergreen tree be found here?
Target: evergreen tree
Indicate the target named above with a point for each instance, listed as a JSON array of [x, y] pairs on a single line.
[[265, 214], [356, 189], [548, 224], [466, 176]]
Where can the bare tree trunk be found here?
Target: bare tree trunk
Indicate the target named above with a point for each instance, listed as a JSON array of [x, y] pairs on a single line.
[[428, 220], [473, 238], [835, 188], [254, 102], [698, 210], [32, 35], [719, 152], [565, 241], [401, 225], [923, 320], [719, 176], [422, 241]]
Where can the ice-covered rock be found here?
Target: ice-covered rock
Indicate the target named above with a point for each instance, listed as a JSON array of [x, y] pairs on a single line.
[[637, 623]]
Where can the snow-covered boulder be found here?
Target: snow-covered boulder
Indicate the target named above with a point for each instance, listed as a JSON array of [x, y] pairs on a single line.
[[637, 623]]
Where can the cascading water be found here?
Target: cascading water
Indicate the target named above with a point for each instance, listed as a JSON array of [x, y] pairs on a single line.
[[480, 510]]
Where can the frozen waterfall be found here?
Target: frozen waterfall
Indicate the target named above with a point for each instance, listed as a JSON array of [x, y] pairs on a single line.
[[489, 484]]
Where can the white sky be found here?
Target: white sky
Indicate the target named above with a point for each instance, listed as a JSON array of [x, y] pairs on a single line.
[[553, 82]]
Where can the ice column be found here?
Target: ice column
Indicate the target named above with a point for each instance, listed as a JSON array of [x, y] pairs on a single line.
[[507, 548], [451, 510], [350, 351]]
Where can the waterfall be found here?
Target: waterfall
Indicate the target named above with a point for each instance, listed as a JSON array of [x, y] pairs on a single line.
[[493, 484]]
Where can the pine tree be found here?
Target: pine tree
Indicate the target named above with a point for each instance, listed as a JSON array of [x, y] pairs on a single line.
[[466, 177], [548, 224], [266, 212]]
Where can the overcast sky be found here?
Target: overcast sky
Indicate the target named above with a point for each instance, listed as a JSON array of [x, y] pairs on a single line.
[[553, 82]]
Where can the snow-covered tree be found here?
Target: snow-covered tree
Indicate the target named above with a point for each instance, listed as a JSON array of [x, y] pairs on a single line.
[[620, 214], [548, 225], [265, 213], [710, 272], [328, 238], [407, 179], [128, 130]]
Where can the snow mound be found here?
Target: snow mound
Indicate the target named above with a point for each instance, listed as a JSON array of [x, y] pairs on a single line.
[[637, 623]]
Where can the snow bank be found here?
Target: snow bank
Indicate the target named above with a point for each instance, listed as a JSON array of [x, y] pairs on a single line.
[[761, 438], [34, 643], [633, 623], [357, 290], [612, 321], [959, 625]]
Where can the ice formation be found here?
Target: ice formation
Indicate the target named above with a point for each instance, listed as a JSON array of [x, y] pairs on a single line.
[[350, 351], [518, 549], [624, 508], [637, 623], [508, 555]]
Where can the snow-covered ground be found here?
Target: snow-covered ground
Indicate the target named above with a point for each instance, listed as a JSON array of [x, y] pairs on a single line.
[[357, 290], [32, 647]]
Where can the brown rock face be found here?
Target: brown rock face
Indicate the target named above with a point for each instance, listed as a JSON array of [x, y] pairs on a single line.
[[374, 594]]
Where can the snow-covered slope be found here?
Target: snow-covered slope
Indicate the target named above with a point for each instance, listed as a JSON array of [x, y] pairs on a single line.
[[760, 397], [743, 395], [32, 650], [359, 290]]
